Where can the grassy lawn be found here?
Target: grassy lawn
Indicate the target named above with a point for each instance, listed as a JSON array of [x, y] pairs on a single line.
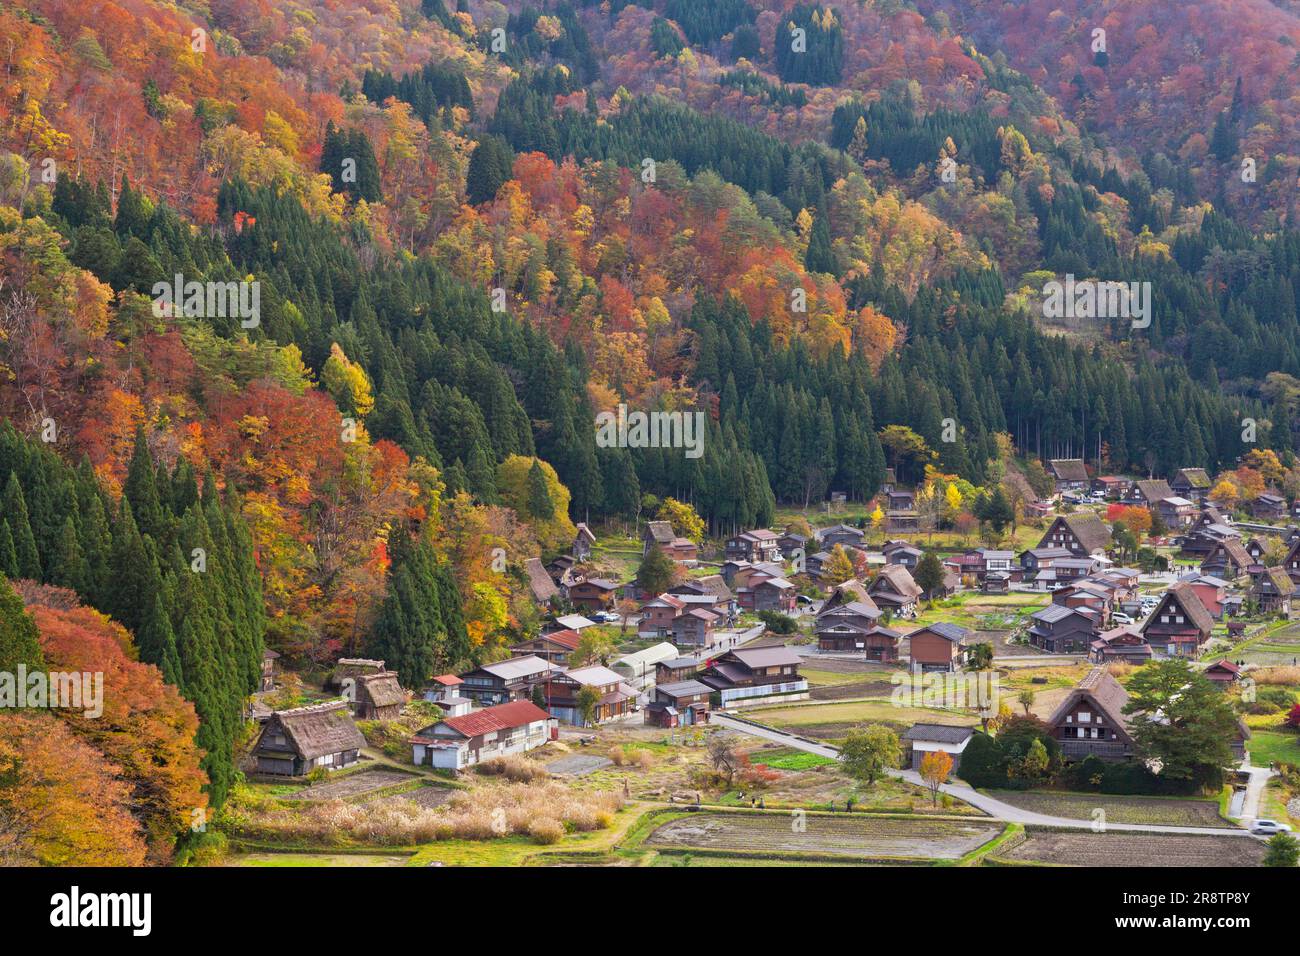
[[1273, 746], [821, 678], [833, 721]]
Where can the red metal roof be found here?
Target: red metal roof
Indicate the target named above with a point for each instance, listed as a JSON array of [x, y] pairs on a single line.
[[501, 717], [448, 680]]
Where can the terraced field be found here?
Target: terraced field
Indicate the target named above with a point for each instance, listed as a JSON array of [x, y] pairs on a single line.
[[857, 836], [1134, 849]]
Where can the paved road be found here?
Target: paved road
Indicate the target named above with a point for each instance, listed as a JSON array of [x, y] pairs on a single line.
[[1254, 791], [995, 808]]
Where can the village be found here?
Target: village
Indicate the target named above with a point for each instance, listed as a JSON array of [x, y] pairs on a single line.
[[985, 690]]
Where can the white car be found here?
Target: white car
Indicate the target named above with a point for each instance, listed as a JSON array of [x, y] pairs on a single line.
[[1119, 617], [1268, 828]]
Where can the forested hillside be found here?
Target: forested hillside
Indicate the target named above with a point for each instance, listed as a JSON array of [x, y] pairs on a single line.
[[474, 226]]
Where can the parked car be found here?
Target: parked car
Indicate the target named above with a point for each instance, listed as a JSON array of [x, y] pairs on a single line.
[[605, 617], [1119, 617], [1268, 828]]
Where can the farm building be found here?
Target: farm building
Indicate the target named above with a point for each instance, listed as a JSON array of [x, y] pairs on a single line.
[[375, 696], [921, 739]]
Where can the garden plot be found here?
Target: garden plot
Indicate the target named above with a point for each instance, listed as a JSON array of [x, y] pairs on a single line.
[[1135, 849], [353, 785], [860, 837], [1118, 809]]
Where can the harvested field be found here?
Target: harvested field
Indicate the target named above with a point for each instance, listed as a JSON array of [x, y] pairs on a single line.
[[424, 796], [1135, 849], [1118, 809], [859, 837], [353, 785], [579, 765]]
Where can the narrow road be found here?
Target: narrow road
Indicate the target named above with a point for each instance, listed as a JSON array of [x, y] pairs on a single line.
[[994, 807], [1254, 792]]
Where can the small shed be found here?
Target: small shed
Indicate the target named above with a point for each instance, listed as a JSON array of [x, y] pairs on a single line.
[[921, 739]]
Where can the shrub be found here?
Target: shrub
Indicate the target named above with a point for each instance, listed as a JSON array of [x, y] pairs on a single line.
[[546, 831], [514, 768]]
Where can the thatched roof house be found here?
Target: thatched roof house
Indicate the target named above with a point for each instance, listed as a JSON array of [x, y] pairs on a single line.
[[296, 741], [378, 697]]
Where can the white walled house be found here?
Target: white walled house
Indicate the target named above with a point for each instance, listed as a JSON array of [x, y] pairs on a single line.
[[457, 742]]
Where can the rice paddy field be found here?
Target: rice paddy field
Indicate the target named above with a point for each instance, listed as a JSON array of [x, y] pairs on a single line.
[[849, 836]]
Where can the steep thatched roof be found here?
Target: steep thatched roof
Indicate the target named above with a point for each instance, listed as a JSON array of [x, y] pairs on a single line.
[[382, 690], [539, 581], [1103, 690], [319, 729]]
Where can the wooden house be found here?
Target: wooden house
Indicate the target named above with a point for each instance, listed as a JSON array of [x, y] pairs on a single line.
[[454, 743], [842, 534], [1176, 512], [507, 680], [1123, 643], [1227, 559], [843, 628], [1179, 625], [792, 544], [938, 647], [919, 740], [1273, 591], [583, 543], [754, 546], [746, 675], [1149, 493], [896, 590], [679, 704], [902, 521], [900, 500], [660, 533], [676, 669], [1268, 507], [1059, 629], [695, 627], [1191, 483], [269, 667], [295, 742], [563, 692], [902, 553], [594, 594], [1082, 533], [1091, 720], [1069, 474], [375, 696], [658, 614], [1223, 673], [555, 646]]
